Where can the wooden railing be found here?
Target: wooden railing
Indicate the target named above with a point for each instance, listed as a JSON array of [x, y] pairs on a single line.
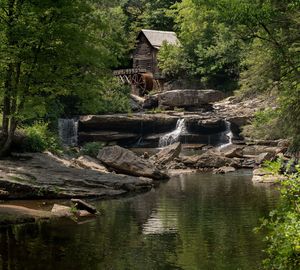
[[129, 71]]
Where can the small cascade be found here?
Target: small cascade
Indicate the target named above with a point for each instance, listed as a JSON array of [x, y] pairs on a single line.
[[68, 131], [228, 135], [173, 136]]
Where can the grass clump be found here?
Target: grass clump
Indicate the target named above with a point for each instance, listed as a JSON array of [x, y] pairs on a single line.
[[91, 149]]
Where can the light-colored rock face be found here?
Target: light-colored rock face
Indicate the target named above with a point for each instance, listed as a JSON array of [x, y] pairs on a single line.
[[189, 98], [232, 151], [167, 154], [61, 211], [87, 162], [125, 161]]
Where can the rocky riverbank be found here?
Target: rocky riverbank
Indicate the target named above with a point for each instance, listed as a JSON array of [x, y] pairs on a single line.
[[44, 175], [117, 171]]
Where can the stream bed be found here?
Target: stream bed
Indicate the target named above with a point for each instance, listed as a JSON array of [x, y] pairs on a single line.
[[197, 222]]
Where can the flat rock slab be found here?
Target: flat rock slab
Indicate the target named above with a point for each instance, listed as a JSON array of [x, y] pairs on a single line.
[[44, 175], [125, 161], [128, 123]]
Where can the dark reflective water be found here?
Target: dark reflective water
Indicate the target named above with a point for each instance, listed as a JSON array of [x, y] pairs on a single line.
[[192, 222]]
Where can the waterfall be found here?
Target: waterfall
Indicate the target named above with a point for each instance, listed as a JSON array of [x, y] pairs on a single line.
[[173, 136], [68, 131], [228, 135]]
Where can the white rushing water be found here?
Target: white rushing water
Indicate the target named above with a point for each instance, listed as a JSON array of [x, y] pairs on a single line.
[[173, 136], [228, 135], [68, 131]]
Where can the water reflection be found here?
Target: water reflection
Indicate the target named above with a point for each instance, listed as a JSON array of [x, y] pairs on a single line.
[[192, 222]]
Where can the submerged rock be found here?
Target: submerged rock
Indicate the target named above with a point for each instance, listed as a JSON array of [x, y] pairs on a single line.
[[13, 214], [125, 161], [225, 169], [82, 205]]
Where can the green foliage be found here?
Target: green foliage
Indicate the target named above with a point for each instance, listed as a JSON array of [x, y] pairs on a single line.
[[264, 122], [209, 48], [283, 227], [51, 50], [173, 61], [112, 99], [39, 138], [273, 166], [91, 149]]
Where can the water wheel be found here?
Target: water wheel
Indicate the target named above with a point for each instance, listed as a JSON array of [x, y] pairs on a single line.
[[142, 82]]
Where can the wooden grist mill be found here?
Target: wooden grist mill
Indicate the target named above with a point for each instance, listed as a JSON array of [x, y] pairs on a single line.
[[145, 75]]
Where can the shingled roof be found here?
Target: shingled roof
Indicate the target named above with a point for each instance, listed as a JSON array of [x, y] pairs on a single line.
[[156, 38]]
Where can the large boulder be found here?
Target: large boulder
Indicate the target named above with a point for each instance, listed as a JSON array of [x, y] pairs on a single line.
[[167, 154], [151, 102], [232, 151], [136, 103], [209, 159], [261, 158], [125, 161], [46, 176], [189, 98]]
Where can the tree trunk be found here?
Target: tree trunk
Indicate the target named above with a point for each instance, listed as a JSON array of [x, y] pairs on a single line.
[[8, 120]]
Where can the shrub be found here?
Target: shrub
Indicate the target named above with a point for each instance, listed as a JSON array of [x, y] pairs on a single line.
[[273, 166], [265, 125], [39, 138], [283, 225], [91, 149]]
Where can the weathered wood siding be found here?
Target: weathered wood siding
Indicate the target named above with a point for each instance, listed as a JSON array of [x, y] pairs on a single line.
[[144, 55]]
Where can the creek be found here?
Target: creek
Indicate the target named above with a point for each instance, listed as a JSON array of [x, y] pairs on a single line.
[[195, 221]]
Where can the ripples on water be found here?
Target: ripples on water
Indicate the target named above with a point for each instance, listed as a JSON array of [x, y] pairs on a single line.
[[192, 222]]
